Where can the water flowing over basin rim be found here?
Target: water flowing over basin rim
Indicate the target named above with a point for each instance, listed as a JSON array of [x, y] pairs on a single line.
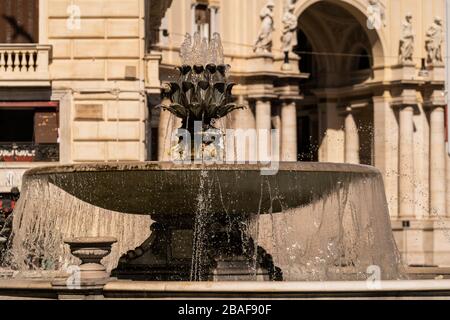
[[157, 188], [155, 166]]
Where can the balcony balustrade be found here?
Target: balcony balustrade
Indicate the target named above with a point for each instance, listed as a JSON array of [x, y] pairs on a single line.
[[24, 65]]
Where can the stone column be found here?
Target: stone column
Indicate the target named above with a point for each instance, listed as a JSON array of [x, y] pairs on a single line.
[[289, 131], [448, 183], [437, 161], [165, 130], [263, 127], [244, 121], [406, 162], [243, 118], [351, 138], [276, 125], [386, 141], [332, 133]]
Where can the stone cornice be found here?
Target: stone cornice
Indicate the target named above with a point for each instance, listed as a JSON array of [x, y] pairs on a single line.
[[434, 98], [405, 97]]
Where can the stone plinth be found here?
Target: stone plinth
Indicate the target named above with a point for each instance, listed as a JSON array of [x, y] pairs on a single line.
[[404, 72], [262, 62], [436, 72]]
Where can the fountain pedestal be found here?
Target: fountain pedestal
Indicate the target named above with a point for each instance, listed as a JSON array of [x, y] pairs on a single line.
[[165, 256], [219, 251], [87, 280]]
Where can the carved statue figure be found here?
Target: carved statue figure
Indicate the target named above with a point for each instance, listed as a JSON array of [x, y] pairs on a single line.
[[263, 43], [406, 41], [375, 15], [434, 41], [290, 24]]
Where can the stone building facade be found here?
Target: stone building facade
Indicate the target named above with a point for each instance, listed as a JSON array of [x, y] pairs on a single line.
[[359, 88]]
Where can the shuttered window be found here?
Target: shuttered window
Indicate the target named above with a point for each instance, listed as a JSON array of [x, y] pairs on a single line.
[[45, 127], [29, 131], [19, 21]]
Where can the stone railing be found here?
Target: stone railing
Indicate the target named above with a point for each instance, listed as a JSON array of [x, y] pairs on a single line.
[[25, 64]]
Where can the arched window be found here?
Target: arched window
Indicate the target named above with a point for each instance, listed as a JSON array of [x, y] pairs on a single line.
[[203, 20], [205, 17], [362, 60], [305, 50]]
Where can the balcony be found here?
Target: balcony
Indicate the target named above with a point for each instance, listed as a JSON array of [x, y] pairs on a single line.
[[29, 152], [24, 65]]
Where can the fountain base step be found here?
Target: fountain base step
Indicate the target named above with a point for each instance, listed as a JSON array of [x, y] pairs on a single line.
[[238, 269]]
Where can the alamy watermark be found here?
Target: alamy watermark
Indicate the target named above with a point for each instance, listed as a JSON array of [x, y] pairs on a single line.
[[231, 146], [73, 22], [73, 281], [373, 281]]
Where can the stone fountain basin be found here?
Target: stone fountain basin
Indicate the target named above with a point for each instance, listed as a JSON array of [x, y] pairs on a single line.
[[174, 189], [310, 221]]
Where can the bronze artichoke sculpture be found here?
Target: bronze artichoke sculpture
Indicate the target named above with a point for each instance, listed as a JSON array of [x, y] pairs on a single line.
[[201, 94]]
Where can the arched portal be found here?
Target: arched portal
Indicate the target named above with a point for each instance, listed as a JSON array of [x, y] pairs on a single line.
[[340, 53]]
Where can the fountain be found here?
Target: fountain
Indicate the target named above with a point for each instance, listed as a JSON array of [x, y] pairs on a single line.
[[215, 222]]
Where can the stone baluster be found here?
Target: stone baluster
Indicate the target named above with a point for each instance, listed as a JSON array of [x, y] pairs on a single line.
[[9, 62], [23, 62], [2, 61], [16, 61], [34, 62]]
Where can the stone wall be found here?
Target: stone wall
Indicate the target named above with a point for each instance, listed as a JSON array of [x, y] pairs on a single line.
[[99, 59]]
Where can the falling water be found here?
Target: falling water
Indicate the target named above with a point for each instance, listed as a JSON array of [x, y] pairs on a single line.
[[46, 215], [337, 237], [201, 221], [311, 221]]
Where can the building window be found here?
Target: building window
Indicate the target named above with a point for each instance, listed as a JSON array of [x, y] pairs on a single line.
[[202, 16], [19, 21], [29, 132], [363, 61]]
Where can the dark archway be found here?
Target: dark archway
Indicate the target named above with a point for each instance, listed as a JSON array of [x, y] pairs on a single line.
[[336, 49]]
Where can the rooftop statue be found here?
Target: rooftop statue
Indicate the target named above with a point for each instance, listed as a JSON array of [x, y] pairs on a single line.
[[290, 24], [375, 15], [434, 40], [263, 43], [406, 41]]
